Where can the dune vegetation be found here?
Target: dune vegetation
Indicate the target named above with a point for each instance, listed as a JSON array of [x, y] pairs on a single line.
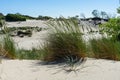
[[65, 43]]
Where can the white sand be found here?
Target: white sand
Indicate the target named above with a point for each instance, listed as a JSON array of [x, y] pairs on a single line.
[[28, 23], [34, 70], [37, 39]]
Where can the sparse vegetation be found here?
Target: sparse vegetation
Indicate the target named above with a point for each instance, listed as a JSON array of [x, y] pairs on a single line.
[[65, 43]]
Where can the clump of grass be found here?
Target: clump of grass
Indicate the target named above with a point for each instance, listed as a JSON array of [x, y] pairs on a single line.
[[8, 47], [64, 39], [105, 48], [117, 46], [0, 52], [72, 64], [3, 27], [9, 50], [33, 54]]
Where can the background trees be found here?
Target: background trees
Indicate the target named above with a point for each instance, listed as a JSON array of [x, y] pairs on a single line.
[[20, 17], [15, 17], [40, 17], [118, 10], [96, 13], [101, 14]]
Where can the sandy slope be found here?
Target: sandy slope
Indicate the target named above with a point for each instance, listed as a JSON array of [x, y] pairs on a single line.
[[29, 23], [34, 70], [35, 41], [38, 37]]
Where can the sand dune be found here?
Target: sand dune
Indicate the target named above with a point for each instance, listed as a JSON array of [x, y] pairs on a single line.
[[34, 41], [92, 69], [29, 23], [29, 42], [38, 37], [34, 70]]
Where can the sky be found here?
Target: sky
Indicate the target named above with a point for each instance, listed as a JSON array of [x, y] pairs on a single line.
[[56, 8]]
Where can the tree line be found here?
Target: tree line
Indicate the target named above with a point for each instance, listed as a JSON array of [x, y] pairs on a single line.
[[20, 17]]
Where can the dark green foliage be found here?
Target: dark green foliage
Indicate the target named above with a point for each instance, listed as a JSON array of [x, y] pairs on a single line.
[[2, 16], [95, 13], [44, 17], [2, 23], [15, 17], [118, 10]]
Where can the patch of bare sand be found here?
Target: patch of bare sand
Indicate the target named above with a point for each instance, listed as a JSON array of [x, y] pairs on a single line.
[[37, 39], [34, 70]]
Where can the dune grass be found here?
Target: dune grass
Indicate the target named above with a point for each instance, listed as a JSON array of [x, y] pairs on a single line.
[[105, 48], [7, 45], [64, 42], [8, 48], [33, 54]]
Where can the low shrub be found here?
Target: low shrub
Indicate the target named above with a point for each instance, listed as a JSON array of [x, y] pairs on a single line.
[[112, 28], [15, 17]]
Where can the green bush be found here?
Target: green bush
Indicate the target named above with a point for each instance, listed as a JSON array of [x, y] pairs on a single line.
[[15, 17], [3, 27], [112, 28], [64, 40]]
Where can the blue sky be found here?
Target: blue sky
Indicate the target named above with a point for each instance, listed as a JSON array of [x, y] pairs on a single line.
[[56, 8]]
